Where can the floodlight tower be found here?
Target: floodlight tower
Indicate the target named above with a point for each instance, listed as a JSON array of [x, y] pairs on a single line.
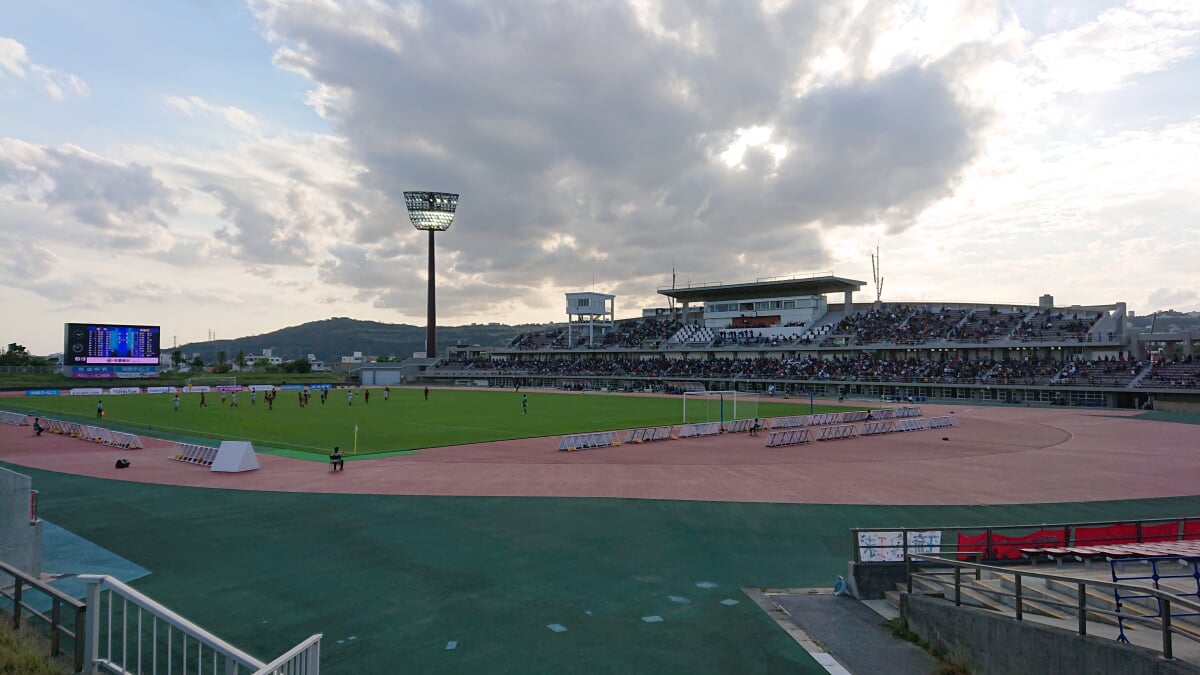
[[432, 211]]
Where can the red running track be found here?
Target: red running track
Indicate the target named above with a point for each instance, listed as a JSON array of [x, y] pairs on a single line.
[[996, 456]]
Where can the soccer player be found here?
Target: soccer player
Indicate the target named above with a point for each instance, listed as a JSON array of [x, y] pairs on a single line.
[[524, 404], [203, 403], [349, 397], [99, 409], [176, 402], [426, 393], [367, 396], [233, 400], [387, 393], [253, 397], [222, 397]]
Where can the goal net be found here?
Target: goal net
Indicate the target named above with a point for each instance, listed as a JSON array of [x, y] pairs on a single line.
[[212, 382], [719, 406]]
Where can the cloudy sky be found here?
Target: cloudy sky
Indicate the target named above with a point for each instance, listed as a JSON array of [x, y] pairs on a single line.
[[209, 165]]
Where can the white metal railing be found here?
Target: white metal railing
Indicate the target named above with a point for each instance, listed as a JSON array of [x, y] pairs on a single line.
[[303, 659], [128, 633]]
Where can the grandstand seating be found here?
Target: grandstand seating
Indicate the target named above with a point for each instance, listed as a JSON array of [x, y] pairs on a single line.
[[1100, 373], [1172, 375]]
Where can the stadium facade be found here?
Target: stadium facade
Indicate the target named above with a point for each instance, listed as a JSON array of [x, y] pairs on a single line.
[[783, 335]]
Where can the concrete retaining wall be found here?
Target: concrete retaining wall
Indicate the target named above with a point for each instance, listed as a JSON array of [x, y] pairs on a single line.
[[990, 643], [869, 581], [20, 542]]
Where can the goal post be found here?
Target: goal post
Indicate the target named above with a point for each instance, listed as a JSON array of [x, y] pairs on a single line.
[[719, 406], [212, 381]]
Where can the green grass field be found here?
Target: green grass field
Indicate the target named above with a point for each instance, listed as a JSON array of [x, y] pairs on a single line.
[[405, 422]]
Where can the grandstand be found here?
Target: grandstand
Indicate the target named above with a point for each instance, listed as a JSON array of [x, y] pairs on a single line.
[[785, 334]]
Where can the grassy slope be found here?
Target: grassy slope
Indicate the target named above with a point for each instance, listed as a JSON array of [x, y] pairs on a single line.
[[407, 421]]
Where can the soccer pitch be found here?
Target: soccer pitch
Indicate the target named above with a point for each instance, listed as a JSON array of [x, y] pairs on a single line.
[[405, 422]]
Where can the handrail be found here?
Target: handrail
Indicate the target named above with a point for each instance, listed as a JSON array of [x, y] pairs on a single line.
[[98, 582], [311, 648], [1165, 599], [57, 600]]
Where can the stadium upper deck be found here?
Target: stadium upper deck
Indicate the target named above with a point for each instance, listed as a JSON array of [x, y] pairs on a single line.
[[777, 339]]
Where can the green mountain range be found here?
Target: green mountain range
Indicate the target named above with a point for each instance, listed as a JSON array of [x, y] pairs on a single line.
[[331, 339]]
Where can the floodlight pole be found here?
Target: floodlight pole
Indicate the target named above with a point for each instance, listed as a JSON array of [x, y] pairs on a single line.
[[431, 311], [431, 211]]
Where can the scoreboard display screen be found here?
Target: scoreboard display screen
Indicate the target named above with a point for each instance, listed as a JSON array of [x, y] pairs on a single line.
[[102, 343]]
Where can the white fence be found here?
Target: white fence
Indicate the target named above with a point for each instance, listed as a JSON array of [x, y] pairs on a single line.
[[875, 428], [789, 437], [912, 424], [942, 422], [882, 414], [649, 434], [835, 432], [117, 439], [908, 412], [14, 418], [601, 439], [129, 633], [191, 453], [734, 426], [702, 429], [787, 422]]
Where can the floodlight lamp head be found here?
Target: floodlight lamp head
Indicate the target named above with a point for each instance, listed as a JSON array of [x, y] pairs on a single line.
[[431, 210]]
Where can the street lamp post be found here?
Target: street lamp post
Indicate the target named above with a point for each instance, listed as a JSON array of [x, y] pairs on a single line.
[[432, 211]]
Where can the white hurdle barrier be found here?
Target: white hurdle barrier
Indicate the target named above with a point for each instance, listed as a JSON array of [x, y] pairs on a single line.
[[875, 428], [649, 434], [787, 422], [912, 424], [14, 418], [600, 439], [882, 414], [778, 439], [835, 432], [908, 412], [821, 419], [942, 421], [855, 416], [190, 453], [735, 426], [701, 429]]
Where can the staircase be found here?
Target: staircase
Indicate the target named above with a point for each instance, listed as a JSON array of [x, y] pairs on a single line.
[[1056, 602]]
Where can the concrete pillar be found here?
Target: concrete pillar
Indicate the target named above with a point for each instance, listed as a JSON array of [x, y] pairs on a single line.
[[849, 301]]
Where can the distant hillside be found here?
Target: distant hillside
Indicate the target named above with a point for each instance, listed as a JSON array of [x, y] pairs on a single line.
[[331, 339], [1167, 321]]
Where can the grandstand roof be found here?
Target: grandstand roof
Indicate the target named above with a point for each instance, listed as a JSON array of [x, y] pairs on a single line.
[[763, 288]]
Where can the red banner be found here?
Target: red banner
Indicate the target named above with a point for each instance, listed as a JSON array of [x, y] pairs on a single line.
[[1191, 529], [1104, 536], [1006, 547], [1164, 532]]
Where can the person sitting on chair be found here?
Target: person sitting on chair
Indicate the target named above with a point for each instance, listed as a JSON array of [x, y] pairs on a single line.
[[336, 463]]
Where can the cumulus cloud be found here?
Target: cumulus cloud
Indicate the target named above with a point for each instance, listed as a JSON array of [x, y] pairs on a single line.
[[94, 190], [595, 138], [15, 61], [231, 116]]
